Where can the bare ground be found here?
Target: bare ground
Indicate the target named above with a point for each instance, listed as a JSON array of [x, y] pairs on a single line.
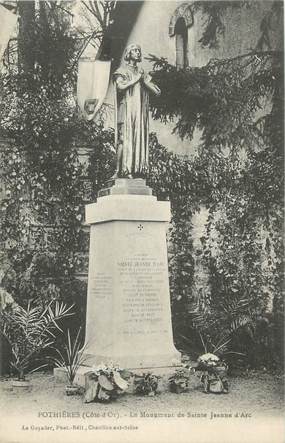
[[257, 393]]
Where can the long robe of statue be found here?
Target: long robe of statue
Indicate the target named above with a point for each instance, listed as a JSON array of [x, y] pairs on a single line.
[[132, 87]]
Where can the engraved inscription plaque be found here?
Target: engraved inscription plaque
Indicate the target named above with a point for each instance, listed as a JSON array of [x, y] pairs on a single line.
[[128, 306]]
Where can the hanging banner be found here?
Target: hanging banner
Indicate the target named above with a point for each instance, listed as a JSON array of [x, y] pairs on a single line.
[[8, 22], [92, 85]]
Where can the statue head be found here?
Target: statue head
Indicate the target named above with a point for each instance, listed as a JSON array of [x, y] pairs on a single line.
[[133, 52]]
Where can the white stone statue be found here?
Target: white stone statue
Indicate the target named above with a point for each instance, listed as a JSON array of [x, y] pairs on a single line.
[[132, 87]]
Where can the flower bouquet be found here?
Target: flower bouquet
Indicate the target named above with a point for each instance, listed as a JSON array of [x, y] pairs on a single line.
[[104, 383], [214, 373]]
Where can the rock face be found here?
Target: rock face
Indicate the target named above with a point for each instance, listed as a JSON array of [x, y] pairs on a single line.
[[128, 306]]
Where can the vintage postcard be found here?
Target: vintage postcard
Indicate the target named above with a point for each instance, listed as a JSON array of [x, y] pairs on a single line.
[[141, 202]]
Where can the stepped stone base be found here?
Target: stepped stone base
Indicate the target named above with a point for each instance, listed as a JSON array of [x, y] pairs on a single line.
[[119, 186]]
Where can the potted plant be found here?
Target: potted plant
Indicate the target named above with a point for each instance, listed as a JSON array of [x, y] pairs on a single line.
[[105, 383], [70, 358], [213, 369], [214, 373], [179, 381], [146, 384], [211, 363], [30, 331]]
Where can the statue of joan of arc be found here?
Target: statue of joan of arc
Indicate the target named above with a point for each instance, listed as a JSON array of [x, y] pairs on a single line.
[[132, 88]]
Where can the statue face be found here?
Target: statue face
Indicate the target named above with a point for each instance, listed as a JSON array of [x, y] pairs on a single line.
[[136, 54]]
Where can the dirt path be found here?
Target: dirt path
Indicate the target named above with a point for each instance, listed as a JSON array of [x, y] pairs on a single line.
[[258, 393]]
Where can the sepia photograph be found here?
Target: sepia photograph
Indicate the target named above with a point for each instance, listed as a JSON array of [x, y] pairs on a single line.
[[141, 221]]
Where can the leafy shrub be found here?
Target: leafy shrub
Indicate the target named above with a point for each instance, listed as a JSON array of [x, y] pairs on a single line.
[[30, 331]]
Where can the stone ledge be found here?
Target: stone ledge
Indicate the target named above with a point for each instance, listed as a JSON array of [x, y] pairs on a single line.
[[127, 207]]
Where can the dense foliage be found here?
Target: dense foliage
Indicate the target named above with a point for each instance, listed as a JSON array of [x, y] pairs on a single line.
[[43, 173], [184, 184], [237, 105], [30, 331]]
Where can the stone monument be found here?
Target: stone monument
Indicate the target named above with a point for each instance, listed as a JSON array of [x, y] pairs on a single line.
[[128, 305]]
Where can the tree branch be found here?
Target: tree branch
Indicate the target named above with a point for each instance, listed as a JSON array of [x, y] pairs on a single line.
[[248, 54], [95, 13]]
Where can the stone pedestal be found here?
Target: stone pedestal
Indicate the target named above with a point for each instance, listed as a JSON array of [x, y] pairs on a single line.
[[128, 307]]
